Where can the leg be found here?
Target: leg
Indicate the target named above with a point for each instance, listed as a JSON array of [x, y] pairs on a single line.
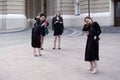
[[42, 40], [55, 40], [94, 63], [39, 52], [34, 53], [91, 66], [34, 50], [59, 40]]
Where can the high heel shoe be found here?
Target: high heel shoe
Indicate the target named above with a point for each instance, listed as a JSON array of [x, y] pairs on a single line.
[[40, 54], [90, 69], [42, 48], [53, 47], [59, 48], [94, 71], [34, 53]]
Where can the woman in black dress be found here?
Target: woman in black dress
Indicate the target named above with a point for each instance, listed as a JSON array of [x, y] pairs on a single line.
[[58, 28], [92, 46], [36, 36], [38, 33]]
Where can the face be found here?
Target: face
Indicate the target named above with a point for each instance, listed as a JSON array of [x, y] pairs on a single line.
[[57, 14], [88, 21], [42, 18]]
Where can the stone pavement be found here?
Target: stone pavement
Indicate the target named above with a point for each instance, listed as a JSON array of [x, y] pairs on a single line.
[[18, 63]]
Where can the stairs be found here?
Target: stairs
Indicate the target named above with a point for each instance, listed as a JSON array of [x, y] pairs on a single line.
[[110, 29], [105, 29]]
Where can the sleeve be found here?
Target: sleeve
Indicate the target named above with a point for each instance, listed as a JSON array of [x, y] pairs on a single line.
[[53, 20], [62, 23], [84, 28], [35, 18], [97, 30], [35, 24]]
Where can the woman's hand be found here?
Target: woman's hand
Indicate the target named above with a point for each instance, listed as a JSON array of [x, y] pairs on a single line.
[[44, 24], [56, 22], [60, 22], [95, 37]]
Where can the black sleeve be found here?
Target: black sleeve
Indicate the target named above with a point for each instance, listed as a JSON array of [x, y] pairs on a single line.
[[85, 27], [61, 19], [53, 21], [97, 29], [35, 18]]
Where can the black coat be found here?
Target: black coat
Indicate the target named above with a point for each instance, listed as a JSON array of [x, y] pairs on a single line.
[[92, 45], [58, 28], [35, 37]]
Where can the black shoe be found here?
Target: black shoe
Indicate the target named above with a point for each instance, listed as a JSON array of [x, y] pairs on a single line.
[[59, 48], [35, 55], [40, 54], [42, 49], [54, 48]]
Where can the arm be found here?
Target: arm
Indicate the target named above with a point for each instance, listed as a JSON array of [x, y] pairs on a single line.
[[97, 30], [53, 22], [61, 22], [45, 23]]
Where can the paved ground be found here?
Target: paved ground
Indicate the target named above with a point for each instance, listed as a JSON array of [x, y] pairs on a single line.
[[18, 63]]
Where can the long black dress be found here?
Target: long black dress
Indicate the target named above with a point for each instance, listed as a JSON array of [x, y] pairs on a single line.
[[57, 27], [35, 41], [92, 46]]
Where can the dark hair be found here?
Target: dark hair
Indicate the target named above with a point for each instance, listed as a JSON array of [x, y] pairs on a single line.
[[88, 18], [42, 14]]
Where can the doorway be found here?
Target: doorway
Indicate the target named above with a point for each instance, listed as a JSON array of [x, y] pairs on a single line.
[[117, 13], [33, 7]]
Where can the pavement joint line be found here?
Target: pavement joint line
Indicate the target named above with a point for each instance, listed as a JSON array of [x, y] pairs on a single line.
[[11, 47]]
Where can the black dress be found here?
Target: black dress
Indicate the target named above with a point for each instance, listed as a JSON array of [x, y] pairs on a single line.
[[92, 46], [58, 28], [35, 41]]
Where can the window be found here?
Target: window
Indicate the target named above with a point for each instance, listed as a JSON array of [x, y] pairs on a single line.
[[77, 9], [118, 9]]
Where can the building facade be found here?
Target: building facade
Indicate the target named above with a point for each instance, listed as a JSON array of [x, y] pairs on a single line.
[[19, 14], [106, 12]]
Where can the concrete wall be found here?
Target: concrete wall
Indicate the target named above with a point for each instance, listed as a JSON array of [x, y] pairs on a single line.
[[66, 7], [96, 6], [0, 21], [101, 11], [12, 14]]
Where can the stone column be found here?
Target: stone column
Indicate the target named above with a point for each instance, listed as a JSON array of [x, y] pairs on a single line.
[[42, 6]]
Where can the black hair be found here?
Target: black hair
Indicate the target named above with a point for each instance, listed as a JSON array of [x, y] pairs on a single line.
[[42, 14]]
